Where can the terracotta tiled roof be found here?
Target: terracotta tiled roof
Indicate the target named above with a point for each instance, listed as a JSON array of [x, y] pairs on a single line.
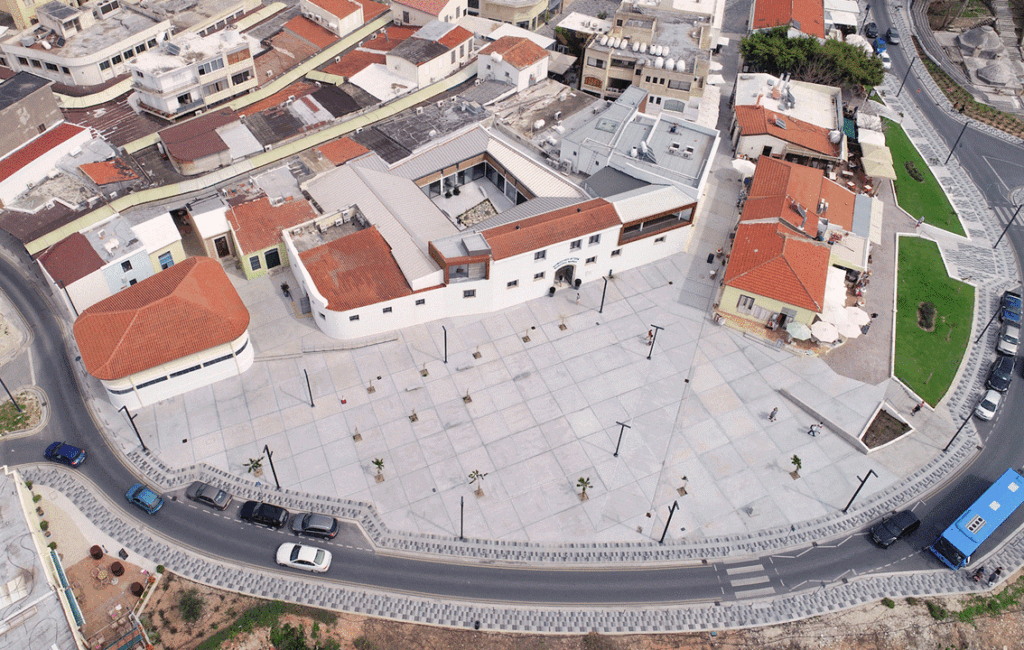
[[806, 15], [519, 52], [36, 148], [758, 120], [342, 150], [371, 9], [432, 7], [355, 271], [390, 40], [189, 308], [70, 259], [771, 261], [197, 138], [258, 224], [354, 62], [455, 36], [779, 186], [305, 28], [108, 171], [295, 89], [551, 228], [339, 8]]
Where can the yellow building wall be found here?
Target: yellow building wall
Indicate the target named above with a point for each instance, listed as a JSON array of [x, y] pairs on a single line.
[[507, 14], [177, 254], [731, 297]]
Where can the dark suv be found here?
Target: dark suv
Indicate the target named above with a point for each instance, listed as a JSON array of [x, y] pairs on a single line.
[[871, 31], [894, 528], [264, 514], [1002, 373]]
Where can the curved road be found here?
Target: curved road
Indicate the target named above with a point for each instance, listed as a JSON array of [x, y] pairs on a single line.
[[224, 536]]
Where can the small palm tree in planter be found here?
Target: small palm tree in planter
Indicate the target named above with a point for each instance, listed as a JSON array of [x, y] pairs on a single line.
[[583, 484], [255, 466], [477, 477], [797, 464], [379, 464]]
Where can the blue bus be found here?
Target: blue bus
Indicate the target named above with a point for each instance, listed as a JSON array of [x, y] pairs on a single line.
[[970, 530]]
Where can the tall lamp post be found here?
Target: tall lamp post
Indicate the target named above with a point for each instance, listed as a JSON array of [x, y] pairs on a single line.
[[675, 506], [270, 457], [131, 418], [953, 148], [656, 329], [1008, 224]]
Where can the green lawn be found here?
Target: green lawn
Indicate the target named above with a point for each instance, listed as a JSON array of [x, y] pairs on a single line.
[[928, 361], [920, 198]]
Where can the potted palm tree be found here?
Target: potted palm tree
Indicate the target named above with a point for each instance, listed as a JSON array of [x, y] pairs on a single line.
[[797, 464], [255, 466], [379, 464], [583, 484], [476, 476]]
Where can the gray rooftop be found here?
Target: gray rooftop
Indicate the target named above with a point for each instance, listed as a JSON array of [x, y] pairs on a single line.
[[678, 151], [396, 138], [115, 28], [19, 87], [610, 181], [418, 51], [57, 10], [603, 128], [531, 208]]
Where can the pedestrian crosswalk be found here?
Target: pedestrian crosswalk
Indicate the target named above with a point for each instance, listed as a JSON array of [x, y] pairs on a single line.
[[1005, 214], [748, 585]]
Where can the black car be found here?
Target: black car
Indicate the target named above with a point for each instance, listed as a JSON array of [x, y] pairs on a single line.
[[892, 36], [871, 31], [1001, 374], [61, 452], [315, 525], [894, 528], [264, 514]]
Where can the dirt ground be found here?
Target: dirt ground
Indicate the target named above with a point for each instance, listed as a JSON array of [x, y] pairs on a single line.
[[906, 626]]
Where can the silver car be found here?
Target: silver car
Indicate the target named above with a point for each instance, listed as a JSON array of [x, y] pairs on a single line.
[[989, 404], [208, 494], [1009, 339]]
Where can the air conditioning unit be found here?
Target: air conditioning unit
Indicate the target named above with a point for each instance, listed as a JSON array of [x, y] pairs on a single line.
[[419, 110], [318, 84], [440, 104], [359, 129], [268, 147], [337, 59], [477, 82]]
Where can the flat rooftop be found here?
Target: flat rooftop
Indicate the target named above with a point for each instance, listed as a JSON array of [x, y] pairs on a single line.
[[19, 87], [114, 29], [395, 138], [813, 103], [192, 48]]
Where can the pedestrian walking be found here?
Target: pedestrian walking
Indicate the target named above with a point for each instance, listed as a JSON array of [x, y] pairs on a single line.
[[916, 409], [650, 337], [577, 297], [773, 414], [995, 575], [919, 222], [812, 432]]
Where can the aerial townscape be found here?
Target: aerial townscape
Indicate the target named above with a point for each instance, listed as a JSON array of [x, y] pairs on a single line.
[[510, 324]]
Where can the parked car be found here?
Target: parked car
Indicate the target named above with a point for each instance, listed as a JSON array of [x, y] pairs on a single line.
[[989, 404], [871, 30], [894, 528], [61, 452], [315, 525], [1009, 307], [879, 45], [299, 556], [1009, 339], [209, 495], [1001, 375], [886, 60], [145, 498], [892, 36], [264, 514]]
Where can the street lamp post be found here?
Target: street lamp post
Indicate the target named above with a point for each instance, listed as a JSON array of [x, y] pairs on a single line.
[[656, 329], [603, 292], [4, 384], [131, 418], [1010, 223], [621, 430], [862, 482], [909, 68], [961, 428], [675, 506], [462, 518], [445, 329], [308, 388], [270, 457], [953, 148]]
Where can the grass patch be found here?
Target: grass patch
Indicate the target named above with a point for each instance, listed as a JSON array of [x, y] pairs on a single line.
[[265, 614], [922, 199], [928, 361], [10, 418], [992, 605]]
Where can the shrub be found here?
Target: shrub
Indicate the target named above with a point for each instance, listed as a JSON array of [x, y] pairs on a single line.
[[52, 545], [44, 524], [926, 316], [914, 172], [912, 601], [889, 602], [159, 568], [28, 484], [190, 606], [362, 643], [37, 498], [937, 611]]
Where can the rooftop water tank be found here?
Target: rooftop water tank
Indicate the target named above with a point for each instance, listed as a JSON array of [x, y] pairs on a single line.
[[604, 39], [659, 63], [670, 64], [681, 65], [643, 48]]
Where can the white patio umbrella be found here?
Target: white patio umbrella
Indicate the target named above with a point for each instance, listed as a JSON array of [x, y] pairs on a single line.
[[798, 330], [849, 330], [744, 167], [824, 332], [834, 313], [857, 316]]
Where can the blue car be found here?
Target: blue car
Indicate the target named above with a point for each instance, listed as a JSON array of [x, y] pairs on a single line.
[[69, 455], [145, 498]]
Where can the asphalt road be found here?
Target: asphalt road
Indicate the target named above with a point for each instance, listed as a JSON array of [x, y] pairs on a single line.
[[994, 168]]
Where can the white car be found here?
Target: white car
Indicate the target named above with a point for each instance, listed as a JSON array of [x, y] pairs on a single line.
[[1009, 339], [308, 558], [886, 60], [989, 404]]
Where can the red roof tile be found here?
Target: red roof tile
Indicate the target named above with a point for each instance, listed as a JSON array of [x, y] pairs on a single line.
[[305, 28], [342, 150], [189, 308], [779, 186], [519, 52], [197, 138], [371, 9], [758, 120], [770, 260], [432, 7], [354, 62], [70, 259], [108, 171], [338, 8], [550, 228], [806, 15], [36, 148], [296, 89], [455, 36], [355, 271], [258, 224], [391, 38]]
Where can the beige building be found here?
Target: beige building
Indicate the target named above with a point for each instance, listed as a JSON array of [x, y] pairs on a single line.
[[418, 13], [527, 14], [27, 109]]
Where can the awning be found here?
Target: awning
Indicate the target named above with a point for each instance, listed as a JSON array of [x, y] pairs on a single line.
[[868, 138], [850, 128], [723, 41], [877, 162], [841, 18], [716, 79], [559, 63]]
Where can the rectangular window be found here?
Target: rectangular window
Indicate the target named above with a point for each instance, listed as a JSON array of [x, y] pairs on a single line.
[[41, 128], [166, 261], [140, 48], [462, 50], [453, 56], [539, 255], [595, 63], [387, 310], [538, 276], [184, 99], [576, 245], [3, 61], [241, 77], [114, 60], [36, 64], [151, 43], [356, 317], [255, 263], [591, 260], [128, 54], [104, 65], [469, 293], [660, 240], [513, 283], [745, 304], [126, 266], [616, 252], [421, 301], [210, 66], [594, 239], [975, 524], [185, 371], [215, 87], [132, 282], [51, 67], [240, 55], [22, 60], [63, 69]]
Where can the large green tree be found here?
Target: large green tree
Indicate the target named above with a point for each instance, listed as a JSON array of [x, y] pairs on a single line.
[[831, 63]]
